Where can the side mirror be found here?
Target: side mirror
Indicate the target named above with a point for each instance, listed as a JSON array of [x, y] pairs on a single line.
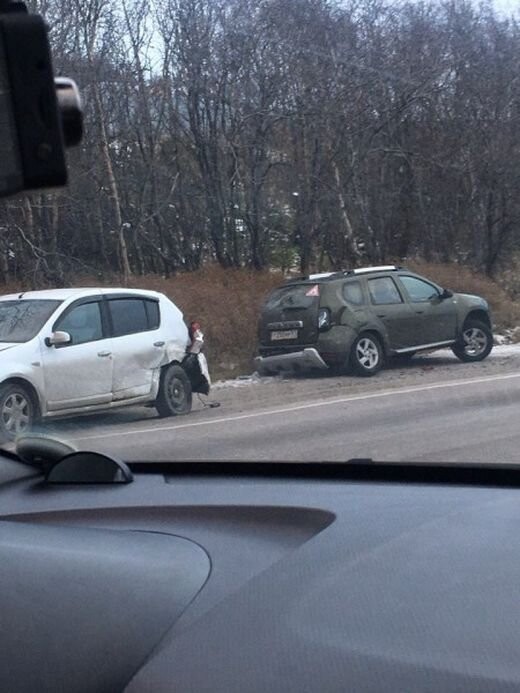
[[58, 339], [446, 293]]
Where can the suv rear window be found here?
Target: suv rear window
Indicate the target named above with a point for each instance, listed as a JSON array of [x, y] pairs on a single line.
[[352, 293], [292, 296], [383, 291], [133, 315]]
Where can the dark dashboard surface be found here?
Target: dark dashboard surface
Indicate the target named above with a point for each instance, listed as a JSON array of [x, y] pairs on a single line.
[[225, 581]]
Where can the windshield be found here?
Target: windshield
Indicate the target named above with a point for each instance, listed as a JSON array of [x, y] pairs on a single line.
[[21, 320], [291, 232]]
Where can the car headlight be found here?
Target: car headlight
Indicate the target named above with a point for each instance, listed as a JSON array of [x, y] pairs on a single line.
[[323, 319]]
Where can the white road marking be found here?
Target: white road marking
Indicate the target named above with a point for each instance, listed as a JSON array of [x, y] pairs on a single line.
[[301, 407]]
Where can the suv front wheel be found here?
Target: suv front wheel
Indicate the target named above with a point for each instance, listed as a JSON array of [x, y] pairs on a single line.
[[366, 356], [18, 411], [475, 342]]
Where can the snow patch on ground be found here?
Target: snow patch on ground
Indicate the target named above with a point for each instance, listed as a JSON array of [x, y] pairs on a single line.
[[245, 381], [510, 336], [505, 350], [499, 351]]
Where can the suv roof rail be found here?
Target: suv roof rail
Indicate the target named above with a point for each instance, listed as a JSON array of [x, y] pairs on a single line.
[[376, 268], [351, 272], [323, 276]]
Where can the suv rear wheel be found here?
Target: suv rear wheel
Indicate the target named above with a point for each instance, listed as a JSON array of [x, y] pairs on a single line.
[[18, 411], [475, 342], [175, 396], [366, 356]]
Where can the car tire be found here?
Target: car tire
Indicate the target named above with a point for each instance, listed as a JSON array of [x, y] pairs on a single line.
[[366, 355], [175, 395], [475, 343], [18, 411]]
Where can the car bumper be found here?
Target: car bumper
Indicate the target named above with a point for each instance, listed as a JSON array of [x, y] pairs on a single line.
[[306, 359]]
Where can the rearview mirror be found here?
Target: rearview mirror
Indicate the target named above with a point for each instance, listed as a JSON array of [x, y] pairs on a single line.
[[58, 339], [89, 468], [446, 293]]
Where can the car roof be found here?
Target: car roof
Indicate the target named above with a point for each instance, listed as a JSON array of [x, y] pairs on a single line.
[[65, 294]]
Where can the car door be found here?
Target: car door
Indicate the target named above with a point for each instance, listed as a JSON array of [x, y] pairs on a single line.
[[437, 315], [139, 346], [397, 318], [78, 374]]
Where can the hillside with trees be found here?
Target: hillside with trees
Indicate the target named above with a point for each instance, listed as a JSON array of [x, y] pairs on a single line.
[[278, 134]]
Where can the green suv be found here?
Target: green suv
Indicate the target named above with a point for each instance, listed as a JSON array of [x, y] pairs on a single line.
[[354, 320]]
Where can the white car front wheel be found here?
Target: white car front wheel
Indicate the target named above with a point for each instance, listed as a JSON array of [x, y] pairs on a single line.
[[17, 411]]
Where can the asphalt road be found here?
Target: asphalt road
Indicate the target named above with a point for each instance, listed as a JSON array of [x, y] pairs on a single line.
[[435, 409]]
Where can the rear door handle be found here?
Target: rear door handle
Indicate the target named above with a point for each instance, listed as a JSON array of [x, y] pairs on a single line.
[[158, 344], [383, 315], [104, 354]]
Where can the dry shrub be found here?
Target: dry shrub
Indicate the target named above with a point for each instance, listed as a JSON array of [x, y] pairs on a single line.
[[227, 304]]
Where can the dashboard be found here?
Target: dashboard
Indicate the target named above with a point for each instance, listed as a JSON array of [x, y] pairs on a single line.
[[243, 577]]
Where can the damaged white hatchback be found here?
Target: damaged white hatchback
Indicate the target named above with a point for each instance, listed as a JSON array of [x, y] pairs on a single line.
[[66, 352]]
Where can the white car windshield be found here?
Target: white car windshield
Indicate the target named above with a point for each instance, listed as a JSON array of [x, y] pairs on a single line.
[[21, 320]]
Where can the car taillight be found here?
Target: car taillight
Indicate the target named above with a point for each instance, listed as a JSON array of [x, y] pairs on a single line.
[[194, 327], [324, 319], [313, 291], [196, 337]]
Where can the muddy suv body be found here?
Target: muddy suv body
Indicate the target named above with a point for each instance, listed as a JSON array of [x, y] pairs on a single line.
[[354, 320]]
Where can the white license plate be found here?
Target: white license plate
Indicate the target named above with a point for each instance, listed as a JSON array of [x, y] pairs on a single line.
[[284, 334]]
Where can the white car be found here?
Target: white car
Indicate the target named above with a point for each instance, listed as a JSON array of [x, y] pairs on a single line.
[[72, 351]]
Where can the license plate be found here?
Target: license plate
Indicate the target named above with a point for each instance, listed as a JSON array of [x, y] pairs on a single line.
[[284, 334]]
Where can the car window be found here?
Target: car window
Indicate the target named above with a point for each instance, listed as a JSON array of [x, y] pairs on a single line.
[[383, 291], [352, 293], [419, 290], [129, 316], [292, 297], [153, 314], [83, 323], [21, 320]]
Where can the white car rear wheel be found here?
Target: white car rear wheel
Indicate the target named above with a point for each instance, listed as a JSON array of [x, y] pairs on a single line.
[[175, 394]]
